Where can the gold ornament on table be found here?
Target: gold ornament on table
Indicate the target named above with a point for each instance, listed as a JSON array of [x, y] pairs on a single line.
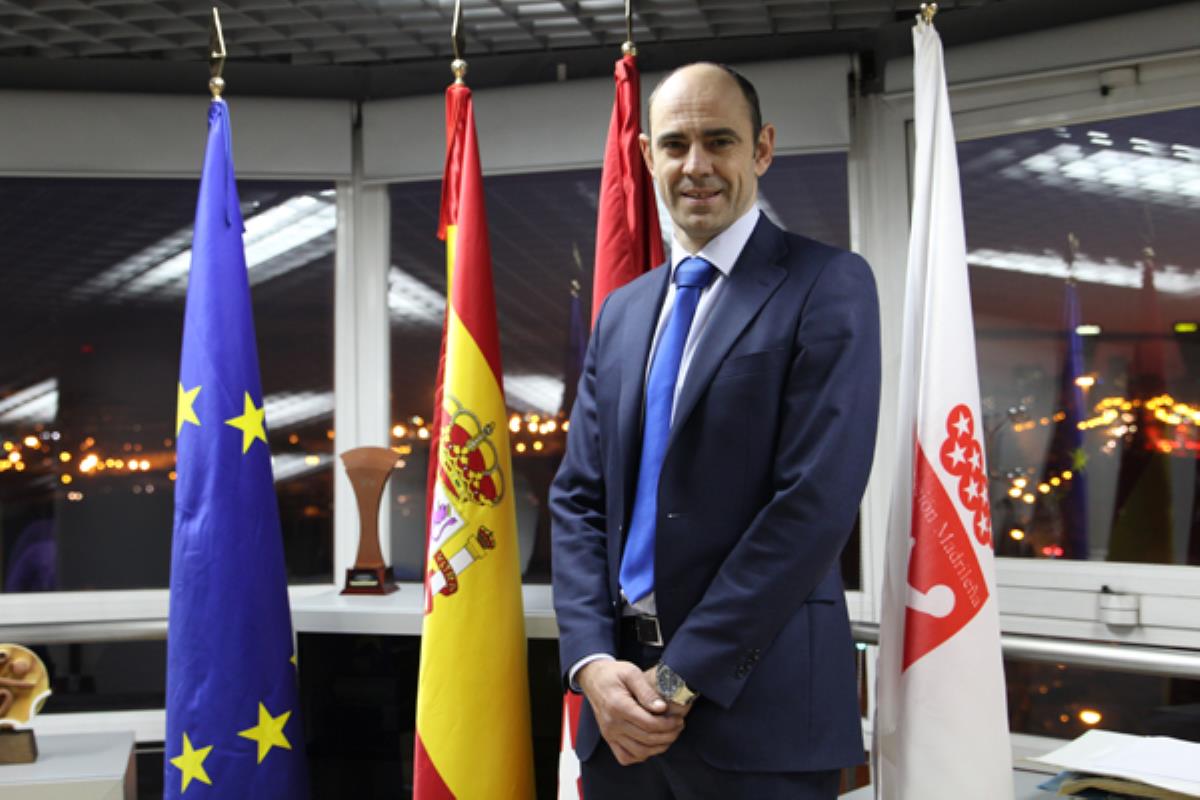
[[24, 687]]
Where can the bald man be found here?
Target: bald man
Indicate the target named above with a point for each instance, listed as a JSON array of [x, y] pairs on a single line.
[[718, 451]]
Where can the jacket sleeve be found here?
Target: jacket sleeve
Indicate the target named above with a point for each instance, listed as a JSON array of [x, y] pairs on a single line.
[[579, 530], [826, 429]]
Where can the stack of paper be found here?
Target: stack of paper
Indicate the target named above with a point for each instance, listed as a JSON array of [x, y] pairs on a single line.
[[1143, 766]]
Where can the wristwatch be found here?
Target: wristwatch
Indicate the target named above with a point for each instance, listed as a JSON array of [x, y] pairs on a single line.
[[671, 686]]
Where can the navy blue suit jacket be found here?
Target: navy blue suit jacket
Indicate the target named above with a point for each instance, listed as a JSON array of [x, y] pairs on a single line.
[[768, 457]]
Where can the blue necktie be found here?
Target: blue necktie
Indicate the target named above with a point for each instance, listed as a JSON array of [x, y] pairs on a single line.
[[637, 564]]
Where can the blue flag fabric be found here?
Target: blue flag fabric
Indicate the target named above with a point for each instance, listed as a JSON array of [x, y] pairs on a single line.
[[233, 722], [1064, 511]]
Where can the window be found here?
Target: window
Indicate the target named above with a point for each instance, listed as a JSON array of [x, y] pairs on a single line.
[[1084, 278], [93, 275], [1062, 701], [1084, 283]]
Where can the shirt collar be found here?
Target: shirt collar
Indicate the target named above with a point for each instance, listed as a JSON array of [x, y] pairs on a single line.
[[723, 251]]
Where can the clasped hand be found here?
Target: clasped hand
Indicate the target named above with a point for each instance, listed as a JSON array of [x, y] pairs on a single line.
[[634, 719]]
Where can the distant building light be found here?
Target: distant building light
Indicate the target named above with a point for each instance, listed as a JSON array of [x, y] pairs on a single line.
[[1089, 716], [1186, 327], [1088, 330]]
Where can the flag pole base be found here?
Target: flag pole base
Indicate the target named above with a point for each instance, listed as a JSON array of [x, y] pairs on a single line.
[[17, 747], [369, 580]]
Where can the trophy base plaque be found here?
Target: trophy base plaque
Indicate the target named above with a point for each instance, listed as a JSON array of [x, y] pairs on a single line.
[[369, 580], [17, 747], [368, 469]]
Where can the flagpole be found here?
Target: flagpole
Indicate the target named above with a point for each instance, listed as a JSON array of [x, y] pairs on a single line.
[[216, 56], [458, 41], [628, 48]]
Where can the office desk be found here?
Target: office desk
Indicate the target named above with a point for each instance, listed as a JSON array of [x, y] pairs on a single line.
[[81, 766]]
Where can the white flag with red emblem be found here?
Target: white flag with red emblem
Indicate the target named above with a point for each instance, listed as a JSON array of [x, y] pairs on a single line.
[[941, 724], [570, 781]]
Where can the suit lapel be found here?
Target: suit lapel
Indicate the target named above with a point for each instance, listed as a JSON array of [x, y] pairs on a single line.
[[754, 278], [636, 336]]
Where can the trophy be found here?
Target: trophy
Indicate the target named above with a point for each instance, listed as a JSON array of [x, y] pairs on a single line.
[[368, 469], [24, 687]]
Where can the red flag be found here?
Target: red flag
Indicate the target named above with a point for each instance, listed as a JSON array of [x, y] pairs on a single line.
[[628, 243], [628, 239]]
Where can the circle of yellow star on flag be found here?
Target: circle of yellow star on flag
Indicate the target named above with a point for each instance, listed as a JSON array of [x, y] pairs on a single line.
[[268, 732], [191, 763], [185, 408], [250, 423]]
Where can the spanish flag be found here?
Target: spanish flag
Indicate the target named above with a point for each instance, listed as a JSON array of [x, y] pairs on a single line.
[[473, 731]]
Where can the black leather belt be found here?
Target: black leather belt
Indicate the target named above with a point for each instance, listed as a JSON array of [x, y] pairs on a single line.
[[643, 628]]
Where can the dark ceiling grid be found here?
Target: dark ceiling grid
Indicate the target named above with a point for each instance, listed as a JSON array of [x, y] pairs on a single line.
[[366, 49], [529, 27], [363, 32]]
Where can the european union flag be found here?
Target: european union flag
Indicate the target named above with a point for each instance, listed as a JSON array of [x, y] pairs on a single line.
[[233, 723]]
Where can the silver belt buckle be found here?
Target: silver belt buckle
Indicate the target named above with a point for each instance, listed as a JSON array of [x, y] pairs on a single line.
[[648, 631]]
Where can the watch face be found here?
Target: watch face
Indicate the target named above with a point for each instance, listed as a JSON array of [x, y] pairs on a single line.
[[668, 682]]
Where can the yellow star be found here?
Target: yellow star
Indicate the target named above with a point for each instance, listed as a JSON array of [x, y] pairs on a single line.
[[191, 763], [250, 423], [268, 732], [185, 408]]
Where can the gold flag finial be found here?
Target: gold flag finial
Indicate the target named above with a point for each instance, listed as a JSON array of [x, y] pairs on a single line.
[[628, 48], [458, 41], [216, 56], [928, 11]]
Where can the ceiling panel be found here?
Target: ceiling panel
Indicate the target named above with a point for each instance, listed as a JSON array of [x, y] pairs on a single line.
[[381, 31]]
